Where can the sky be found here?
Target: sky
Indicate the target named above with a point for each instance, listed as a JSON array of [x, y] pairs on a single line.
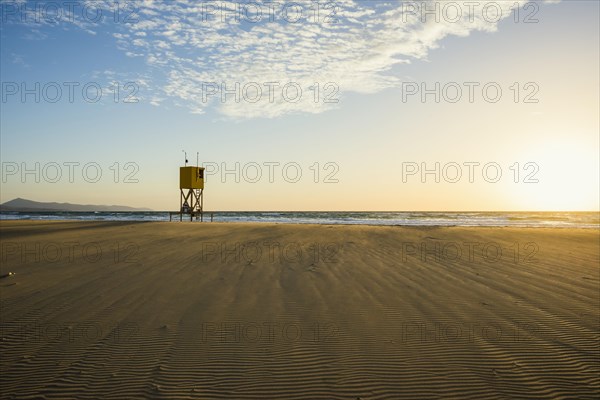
[[329, 105]]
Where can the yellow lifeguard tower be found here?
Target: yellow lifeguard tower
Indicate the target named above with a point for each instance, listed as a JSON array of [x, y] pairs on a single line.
[[191, 189]]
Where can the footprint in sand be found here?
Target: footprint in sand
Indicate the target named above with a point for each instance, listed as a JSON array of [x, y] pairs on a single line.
[[312, 268]]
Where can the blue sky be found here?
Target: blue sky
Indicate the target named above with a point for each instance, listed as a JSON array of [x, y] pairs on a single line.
[[170, 54]]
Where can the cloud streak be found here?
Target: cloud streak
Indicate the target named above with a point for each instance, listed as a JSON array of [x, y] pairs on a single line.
[[248, 60]]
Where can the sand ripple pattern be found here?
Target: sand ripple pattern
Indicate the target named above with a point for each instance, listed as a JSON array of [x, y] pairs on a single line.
[[366, 322]]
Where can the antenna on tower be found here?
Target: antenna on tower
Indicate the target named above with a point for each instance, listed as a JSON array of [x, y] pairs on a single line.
[[197, 158], [185, 157]]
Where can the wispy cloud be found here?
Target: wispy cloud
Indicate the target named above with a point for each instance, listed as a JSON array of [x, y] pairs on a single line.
[[19, 60], [195, 50]]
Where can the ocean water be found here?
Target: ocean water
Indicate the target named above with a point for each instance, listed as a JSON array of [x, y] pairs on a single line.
[[589, 220]]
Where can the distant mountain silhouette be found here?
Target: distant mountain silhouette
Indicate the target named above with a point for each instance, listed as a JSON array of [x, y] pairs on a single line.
[[19, 204]]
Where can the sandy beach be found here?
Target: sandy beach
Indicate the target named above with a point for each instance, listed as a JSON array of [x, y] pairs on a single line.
[[263, 311]]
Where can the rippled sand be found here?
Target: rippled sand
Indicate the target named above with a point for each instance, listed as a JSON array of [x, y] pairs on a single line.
[[261, 311]]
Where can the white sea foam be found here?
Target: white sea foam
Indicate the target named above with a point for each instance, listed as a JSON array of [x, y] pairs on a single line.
[[517, 219]]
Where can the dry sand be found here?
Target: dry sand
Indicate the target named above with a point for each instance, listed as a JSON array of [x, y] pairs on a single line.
[[248, 311]]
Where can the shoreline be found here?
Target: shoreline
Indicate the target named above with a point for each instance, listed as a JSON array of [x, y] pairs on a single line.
[[597, 227]]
